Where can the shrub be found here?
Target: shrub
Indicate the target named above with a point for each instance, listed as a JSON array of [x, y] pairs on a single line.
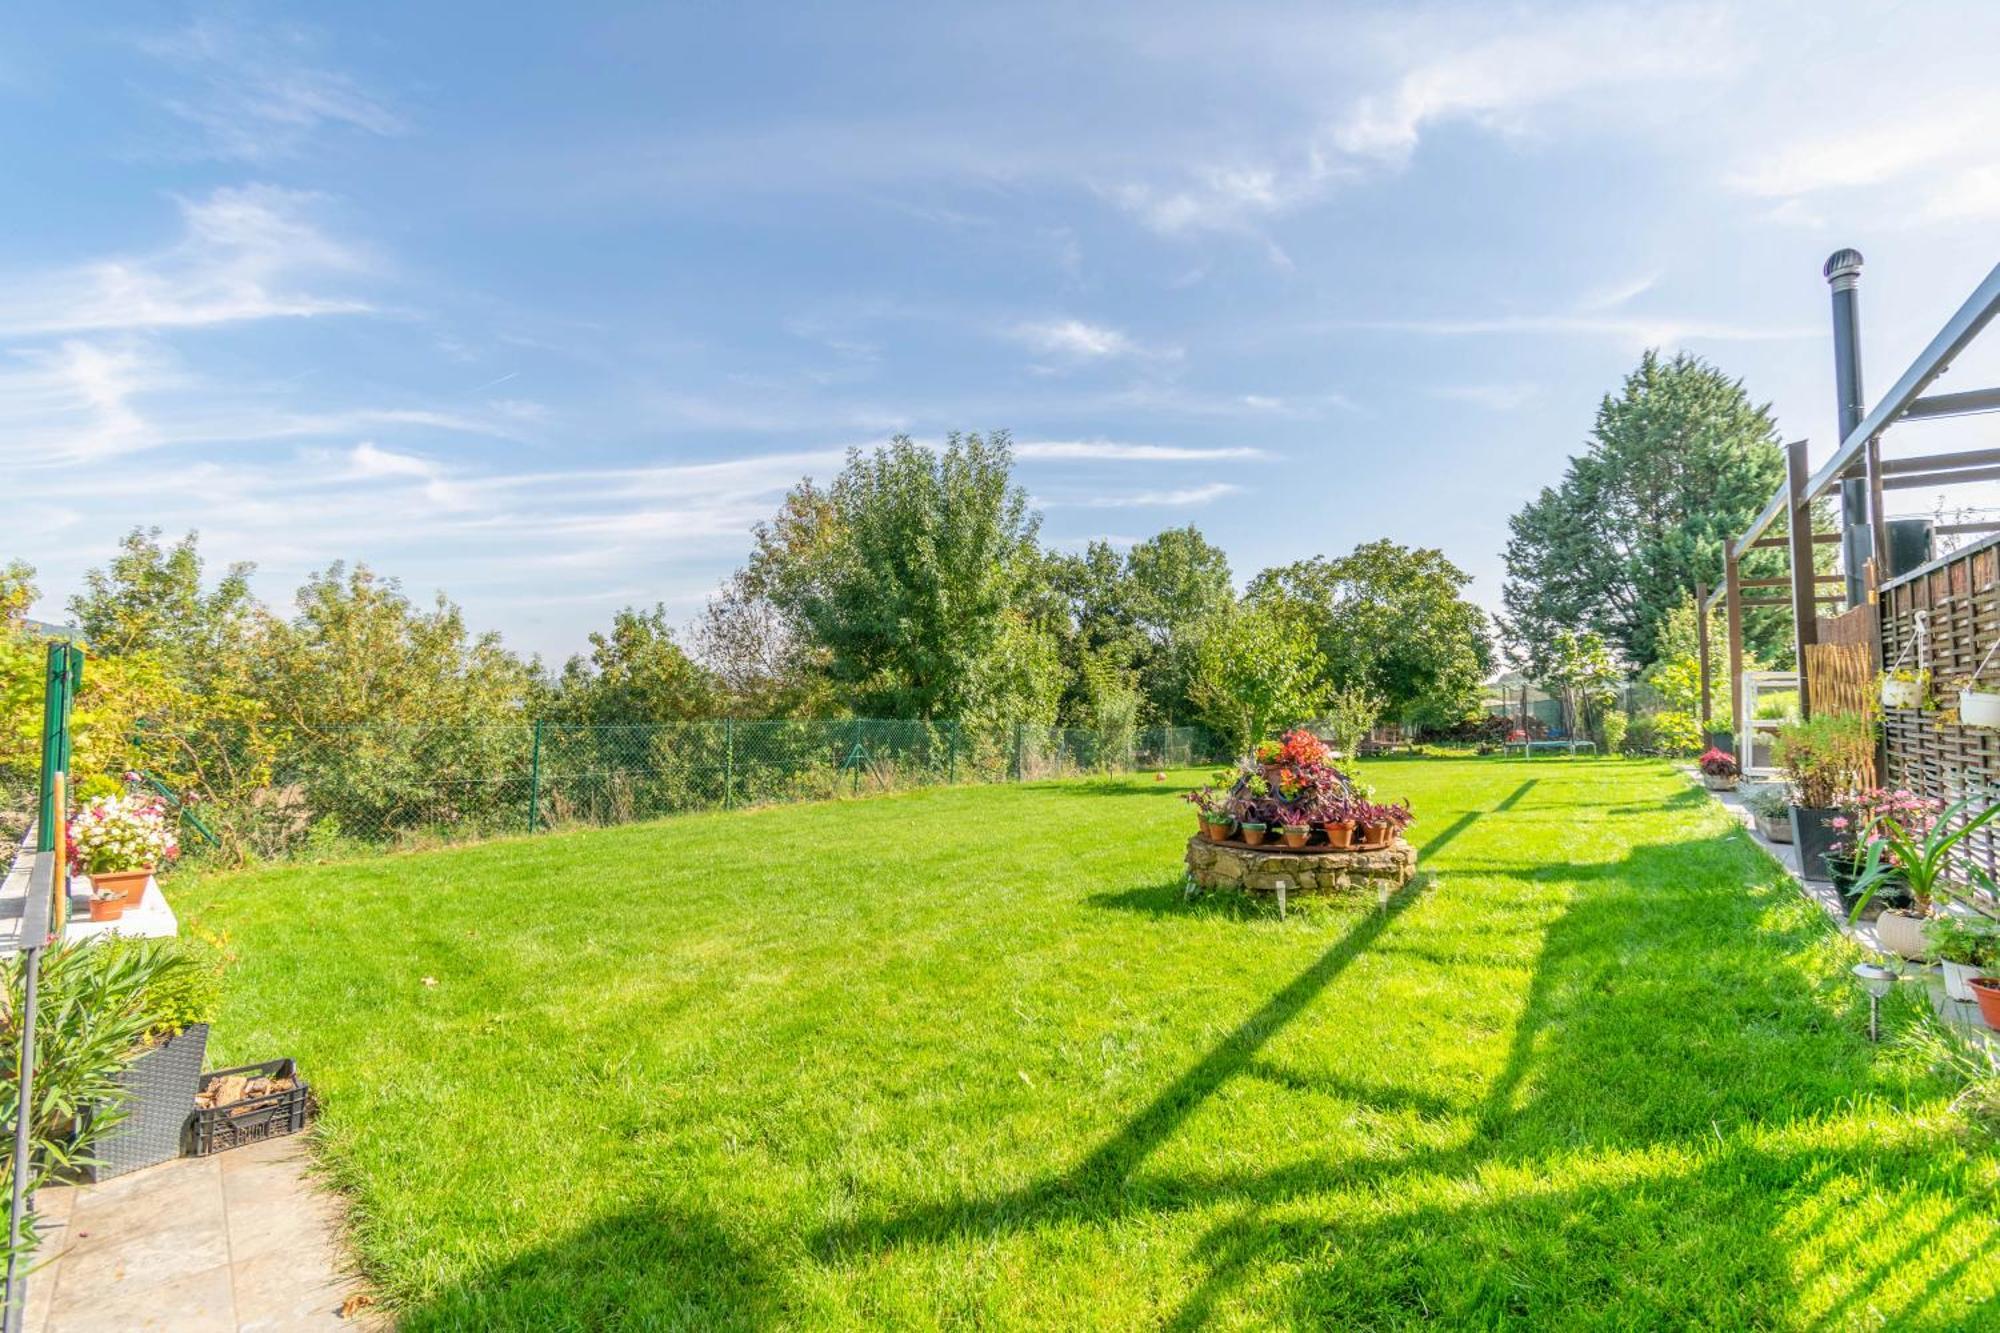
[[1613, 727], [1825, 756]]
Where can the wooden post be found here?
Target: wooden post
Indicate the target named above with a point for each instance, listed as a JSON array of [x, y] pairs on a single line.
[[1701, 650], [1805, 611], [1732, 600], [1878, 526]]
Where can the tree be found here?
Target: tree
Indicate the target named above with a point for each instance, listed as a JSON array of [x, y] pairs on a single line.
[[1177, 583], [1258, 668], [634, 673], [17, 593], [1577, 668], [908, 577], [151, 599], [1391, 619], [1678, 463]]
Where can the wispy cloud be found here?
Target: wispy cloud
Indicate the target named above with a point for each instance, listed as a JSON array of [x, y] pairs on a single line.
[[1077, 340], [1493, 397], [256, 97], [1094, 451], [1184, 497], [245, 253]]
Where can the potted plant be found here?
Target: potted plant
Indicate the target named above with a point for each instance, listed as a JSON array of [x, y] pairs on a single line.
[[1977, 707], [107, 904], [1295, 835], [1771, 809], [1209, 803], [158, 1084], [1909, 841], [1719, 769], [1335, 817], [119, 842], [1254, 831], [1377, 825], [1823, 757], [1986, 990], [1965, 951], [1903, 687]]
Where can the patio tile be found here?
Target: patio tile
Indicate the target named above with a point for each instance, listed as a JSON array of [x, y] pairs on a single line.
[[196, 1301], [296, 1287]]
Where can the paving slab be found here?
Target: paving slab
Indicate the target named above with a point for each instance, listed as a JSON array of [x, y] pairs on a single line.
[[240, 1241]]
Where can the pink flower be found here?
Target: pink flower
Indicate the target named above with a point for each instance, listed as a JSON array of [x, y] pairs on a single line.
[[1838, 821]]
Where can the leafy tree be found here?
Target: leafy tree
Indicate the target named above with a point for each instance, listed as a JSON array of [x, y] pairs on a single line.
[[758, 660], [1678, 463], [1391, 619], [1351, 713], [1177, 583], [17, 593], [151, 599], [635, 673], [1257, 669], [908, 576], [1577, 668]]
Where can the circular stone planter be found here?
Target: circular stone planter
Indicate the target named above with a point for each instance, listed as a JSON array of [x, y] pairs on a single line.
[[1309, 870]]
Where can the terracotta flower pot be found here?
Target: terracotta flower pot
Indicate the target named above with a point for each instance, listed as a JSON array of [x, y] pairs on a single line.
[[131, 883], [1374, 837], [1340, 833], [1986, 990], [1295, 835], [1253, 833], [107, 909]]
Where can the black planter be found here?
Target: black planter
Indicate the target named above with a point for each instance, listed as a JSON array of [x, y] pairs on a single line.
[[159, 1090], [1813, 835]]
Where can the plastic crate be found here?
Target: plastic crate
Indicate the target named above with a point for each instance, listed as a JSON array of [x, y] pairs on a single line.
[[213, 1129]]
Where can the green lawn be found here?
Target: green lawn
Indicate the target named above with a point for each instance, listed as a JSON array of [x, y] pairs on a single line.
[[964, 1057]]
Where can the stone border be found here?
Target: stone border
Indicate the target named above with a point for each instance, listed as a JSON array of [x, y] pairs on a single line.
[[1225, 865]]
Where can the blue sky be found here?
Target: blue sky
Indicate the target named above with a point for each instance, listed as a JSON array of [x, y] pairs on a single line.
[[546, 305]]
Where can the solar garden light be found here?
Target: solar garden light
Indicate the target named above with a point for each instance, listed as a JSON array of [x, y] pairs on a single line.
[[1281, 899], [1877, 981]]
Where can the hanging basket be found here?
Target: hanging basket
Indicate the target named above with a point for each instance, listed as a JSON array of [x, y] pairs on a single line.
[[1978, 708], [1898, 693]]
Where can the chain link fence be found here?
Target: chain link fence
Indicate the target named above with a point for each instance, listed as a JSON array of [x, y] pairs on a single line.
[[401, 786]]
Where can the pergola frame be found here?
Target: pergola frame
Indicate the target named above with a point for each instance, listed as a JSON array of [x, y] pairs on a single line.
[[1858, 470]]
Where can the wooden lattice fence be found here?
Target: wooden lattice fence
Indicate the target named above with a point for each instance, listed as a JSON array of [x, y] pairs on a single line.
[[1840, 668], [1944, 618]]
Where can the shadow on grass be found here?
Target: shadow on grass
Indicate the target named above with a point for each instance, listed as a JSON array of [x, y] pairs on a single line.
[[650, 1268], [1638, 1125]]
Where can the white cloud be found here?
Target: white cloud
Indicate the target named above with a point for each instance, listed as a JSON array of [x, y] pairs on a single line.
[[1086, 451], [1173, 499], [1075, 339], [244, 254], [253, 97], [1493, 397]]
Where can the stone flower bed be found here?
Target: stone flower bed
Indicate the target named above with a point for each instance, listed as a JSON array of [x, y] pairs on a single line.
[[1222, 865]]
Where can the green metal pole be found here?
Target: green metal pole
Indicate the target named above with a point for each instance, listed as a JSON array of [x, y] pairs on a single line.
[[1017, 751], [728, 762], [951, 755], [535, 777]]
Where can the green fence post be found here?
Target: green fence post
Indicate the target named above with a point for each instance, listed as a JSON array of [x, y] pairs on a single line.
[[951, 755], [728, 762], [1017, 751], [535, 777]]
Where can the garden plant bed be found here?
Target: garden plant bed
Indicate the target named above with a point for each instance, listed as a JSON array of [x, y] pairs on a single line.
[[1302, 870]]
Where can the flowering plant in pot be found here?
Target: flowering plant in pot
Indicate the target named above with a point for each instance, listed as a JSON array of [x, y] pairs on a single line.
[[1283, 782], [1904, 687], [1822, 757], [119, 841], [1210, 805], [1334, 815], [1378, 825], [1906, 843], [1719, 769]]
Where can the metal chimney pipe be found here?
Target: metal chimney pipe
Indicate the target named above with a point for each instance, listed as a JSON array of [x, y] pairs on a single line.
[[1843, 274]]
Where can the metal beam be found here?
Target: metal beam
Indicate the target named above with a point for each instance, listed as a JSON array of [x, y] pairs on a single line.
[[1772, 508], [1954, 404], [1968, 323], [1960, 529], [1896, 467], [1910, 481], [1805, 610]]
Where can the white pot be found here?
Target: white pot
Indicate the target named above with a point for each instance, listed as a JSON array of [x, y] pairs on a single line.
[[1902, 933], [1902, 693], [1956, 975], [1978, 708], [1775, 830]]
